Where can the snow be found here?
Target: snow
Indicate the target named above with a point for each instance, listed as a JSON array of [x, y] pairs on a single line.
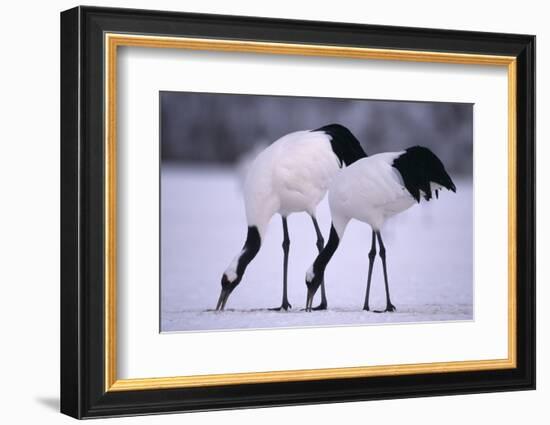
[[428, 248]]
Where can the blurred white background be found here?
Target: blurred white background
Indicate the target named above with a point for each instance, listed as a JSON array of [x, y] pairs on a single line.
[[29, 170]]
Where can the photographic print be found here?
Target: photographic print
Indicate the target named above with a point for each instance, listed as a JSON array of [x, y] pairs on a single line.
[[259, 184], [284, 211]]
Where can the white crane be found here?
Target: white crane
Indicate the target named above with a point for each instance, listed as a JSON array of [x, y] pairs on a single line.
[[371, 190], [291, 175]]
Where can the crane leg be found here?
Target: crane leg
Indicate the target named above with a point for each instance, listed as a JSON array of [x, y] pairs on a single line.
[[285, 305], [372, 256], [382, 253]]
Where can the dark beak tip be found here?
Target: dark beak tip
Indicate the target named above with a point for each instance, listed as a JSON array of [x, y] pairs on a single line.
[[222, 300]]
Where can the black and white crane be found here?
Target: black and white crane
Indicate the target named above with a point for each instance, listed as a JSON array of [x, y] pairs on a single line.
[[291, 175], [371, 190]]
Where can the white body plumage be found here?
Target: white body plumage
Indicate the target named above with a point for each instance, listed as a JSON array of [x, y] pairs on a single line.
[[370, 190], [291, 175]]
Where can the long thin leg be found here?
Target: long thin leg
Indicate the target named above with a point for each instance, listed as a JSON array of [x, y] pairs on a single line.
[[389, 305], [286, 247], [320, 245], [372, 256]]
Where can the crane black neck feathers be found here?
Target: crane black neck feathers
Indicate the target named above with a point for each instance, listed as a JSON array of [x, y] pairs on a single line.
[[344, 144], [418, 167], [250, 249]]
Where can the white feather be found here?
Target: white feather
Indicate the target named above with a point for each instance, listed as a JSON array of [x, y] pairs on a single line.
[[291, 175], [231, 271], [309, 274], [370, 190]]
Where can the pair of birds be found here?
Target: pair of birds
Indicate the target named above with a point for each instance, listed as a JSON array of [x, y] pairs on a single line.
[[294, 173]]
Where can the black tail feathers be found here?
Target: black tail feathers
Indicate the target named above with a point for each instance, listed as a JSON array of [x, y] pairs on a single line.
[[420, 167]]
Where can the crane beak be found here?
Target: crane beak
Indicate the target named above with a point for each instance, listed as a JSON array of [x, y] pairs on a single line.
[[227, 288], [222, 300], [309, 299]]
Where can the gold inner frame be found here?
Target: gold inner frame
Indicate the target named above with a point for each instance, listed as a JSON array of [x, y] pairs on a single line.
[[113, 41]]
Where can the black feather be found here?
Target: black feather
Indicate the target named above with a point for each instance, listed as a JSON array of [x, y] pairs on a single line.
[[344, 144], [419, 166]]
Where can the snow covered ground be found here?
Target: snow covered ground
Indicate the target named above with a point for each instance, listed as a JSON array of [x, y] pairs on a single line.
[[429, 255]]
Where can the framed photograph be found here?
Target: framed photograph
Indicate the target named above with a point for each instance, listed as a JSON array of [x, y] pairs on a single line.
[[261, 212]]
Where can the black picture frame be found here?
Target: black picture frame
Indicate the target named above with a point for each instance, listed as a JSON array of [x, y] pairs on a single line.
[[83, 392]]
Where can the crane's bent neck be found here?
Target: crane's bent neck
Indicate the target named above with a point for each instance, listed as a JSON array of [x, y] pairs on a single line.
[[317, 270], [250, 248]]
